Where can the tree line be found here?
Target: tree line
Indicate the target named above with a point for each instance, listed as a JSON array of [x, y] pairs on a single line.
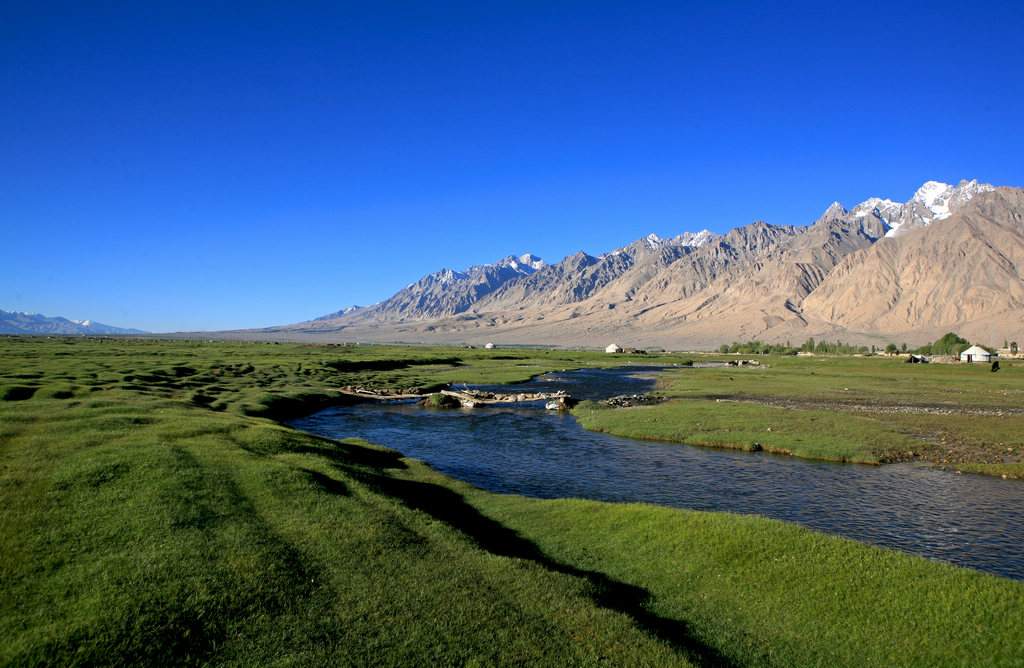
[[756, 347], [949, 344]]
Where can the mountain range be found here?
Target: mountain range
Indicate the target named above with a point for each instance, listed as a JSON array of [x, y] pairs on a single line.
[[17, 322], [948, 259]]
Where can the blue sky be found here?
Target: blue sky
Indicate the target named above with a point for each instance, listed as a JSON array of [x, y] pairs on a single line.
[[205, 166]]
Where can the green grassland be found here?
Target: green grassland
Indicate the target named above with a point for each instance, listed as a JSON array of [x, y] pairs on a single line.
[[867, 410], [154, 511]]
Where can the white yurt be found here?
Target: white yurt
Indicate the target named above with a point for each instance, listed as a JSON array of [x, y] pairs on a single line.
[[613, 348], [975, 354]]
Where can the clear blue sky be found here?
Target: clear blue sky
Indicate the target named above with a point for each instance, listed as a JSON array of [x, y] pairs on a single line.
[[184, 166]]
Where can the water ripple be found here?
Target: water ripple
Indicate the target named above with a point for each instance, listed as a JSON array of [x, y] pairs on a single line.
[[972, 521]]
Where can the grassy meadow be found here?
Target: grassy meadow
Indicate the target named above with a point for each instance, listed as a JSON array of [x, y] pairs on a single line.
[[155, 511], [851, 409]]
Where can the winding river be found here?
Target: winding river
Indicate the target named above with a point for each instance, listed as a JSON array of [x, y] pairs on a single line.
[[972, 521]]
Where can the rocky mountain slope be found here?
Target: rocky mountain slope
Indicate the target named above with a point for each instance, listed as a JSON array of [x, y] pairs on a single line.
[[16, 322], [945, 260], [964, 270], [445, 292]]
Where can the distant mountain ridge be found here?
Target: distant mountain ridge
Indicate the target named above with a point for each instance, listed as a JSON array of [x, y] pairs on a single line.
[[947, 259], [448, 293], [18, 322]]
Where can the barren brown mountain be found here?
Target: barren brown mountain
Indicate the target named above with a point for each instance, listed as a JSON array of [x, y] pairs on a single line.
[[959, 274], [947, 260]]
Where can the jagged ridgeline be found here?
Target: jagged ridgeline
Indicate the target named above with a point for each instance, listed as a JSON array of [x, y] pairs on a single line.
[[944, 260]]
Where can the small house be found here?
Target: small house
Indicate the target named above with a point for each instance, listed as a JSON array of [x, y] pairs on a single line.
[[975, 354], [613, 348], [489, 346]]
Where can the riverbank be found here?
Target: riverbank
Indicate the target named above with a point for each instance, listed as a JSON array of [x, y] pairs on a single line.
[[863, 410], [155, 512]]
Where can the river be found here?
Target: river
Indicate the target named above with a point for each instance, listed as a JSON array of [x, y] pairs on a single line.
[[972, 521]]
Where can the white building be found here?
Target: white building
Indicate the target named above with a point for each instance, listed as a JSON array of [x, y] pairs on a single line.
[[975, 354], [613, 348]]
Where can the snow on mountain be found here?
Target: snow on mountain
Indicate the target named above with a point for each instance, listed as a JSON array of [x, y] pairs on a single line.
[[915, 282], [934, 201], [695, 240], [883, 209], [443, 277], [685, 239], [523, 264], [18, 322], [446, 292], [526, 264], [653, 242], [781, 260], [935, 196]]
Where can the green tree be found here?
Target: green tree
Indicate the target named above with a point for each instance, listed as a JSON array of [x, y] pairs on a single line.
[[949, 344], [891, 349], [1013, 347]]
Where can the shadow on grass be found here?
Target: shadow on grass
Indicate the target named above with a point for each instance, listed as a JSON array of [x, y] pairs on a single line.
[[449, 507], [327, 483], [184, 611], [344, 455], [390, 365]]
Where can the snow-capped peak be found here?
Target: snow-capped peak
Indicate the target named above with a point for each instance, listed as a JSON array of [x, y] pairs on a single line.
[[695, 240], [933, 201], [935, 196], [931, 191], [531, 261], [865, 207], [653, 242], [444, 277], [524, 264], [876, 206], [890, 213], [941, 198]]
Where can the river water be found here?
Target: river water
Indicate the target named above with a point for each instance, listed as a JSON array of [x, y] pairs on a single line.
[[972, 521]]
